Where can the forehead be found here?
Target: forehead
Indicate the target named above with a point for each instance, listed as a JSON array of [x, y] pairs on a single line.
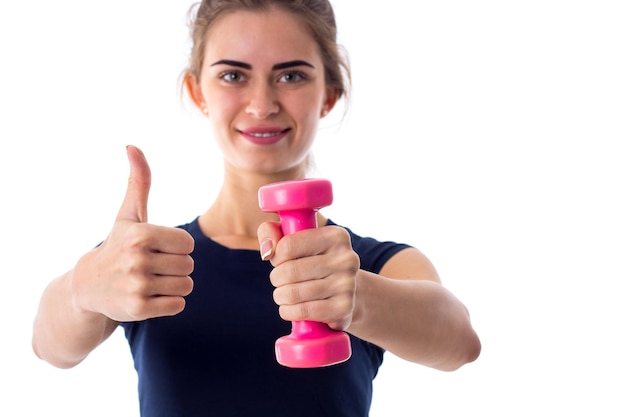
[[272, 36]]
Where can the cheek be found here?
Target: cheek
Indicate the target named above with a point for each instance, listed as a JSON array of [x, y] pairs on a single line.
[[220, 102], [308, 131], [307, 109], [220, 106]]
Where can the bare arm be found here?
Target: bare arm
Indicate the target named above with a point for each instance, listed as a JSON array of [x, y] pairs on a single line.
[[62, 334], [404, 309], [407, 311], [140, 271]]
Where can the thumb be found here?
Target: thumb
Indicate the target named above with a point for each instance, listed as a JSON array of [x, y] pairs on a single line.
[[268, 233], [135, 205]]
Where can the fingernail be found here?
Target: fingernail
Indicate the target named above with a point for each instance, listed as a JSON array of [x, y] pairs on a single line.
[[266, 248]]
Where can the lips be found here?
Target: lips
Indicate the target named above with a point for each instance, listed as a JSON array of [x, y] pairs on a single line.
[[264, 135]]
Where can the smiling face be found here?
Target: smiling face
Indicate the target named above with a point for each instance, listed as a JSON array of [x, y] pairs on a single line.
[[262, 85]]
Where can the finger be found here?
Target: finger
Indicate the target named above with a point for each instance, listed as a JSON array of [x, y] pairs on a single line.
[[135, 204], [301, 270], [157, 306], [310, 242], [171, 286], [302, 292], [335, 312], [336, 286], [169, 306], [172, 240], [168, 264], [268, 234]]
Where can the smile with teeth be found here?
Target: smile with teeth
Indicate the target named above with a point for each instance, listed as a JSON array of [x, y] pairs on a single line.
[[265, 136]]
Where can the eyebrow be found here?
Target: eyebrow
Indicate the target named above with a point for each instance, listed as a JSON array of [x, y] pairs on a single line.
[[279, 66], [232, 63], [289, 64]]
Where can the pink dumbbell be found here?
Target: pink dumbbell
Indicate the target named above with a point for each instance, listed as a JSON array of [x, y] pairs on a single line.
[[310, 344]]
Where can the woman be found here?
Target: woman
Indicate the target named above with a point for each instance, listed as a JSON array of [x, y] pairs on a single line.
[[195, 301]]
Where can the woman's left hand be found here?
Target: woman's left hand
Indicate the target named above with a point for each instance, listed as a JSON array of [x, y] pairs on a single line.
[[314, 273]]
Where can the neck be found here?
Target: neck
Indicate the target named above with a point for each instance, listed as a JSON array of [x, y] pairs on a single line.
[[234, 217]]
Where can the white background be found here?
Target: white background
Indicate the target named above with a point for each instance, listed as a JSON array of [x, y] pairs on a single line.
[[490, 134]]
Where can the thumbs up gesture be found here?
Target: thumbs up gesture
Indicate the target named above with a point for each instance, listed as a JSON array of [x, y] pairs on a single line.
[[141, 270]]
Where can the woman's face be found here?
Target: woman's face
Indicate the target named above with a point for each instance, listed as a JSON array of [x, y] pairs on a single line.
[[262, 85]]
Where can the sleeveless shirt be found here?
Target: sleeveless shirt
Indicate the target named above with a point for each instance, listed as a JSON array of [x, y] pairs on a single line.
[[216, 358]]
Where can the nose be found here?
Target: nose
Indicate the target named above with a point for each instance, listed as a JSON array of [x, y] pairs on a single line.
[[262, 101]]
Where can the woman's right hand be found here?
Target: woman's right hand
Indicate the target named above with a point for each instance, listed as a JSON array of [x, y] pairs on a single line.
[[141, 270]]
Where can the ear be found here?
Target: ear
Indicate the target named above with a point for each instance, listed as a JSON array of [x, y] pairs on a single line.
[[195, 93], [332, 95]]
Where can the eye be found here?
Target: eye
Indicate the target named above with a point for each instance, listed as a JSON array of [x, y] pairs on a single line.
[[232, 77], [292, 77]]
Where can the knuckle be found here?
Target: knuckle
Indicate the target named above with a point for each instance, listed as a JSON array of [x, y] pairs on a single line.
[[191, 243], [136, 285], [283, 313], [136, 236], [351, 259], [287, 295], [304, 311], [188, 265], [279, 297], [176, 306], [347, 286], [136, 266], [286, 247], [284, 273], [137, 308], [276, 277], [190, 286], [355, 261], [292, 271], [344, 305], [348, 265], [339, 236], [294, 295]]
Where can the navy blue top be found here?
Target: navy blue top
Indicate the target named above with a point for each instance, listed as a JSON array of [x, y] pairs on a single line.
[[216, 358]]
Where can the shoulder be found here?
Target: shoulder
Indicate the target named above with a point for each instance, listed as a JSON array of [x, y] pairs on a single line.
[[410, 264], [191, 227], [391, 259], [374, 253]]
